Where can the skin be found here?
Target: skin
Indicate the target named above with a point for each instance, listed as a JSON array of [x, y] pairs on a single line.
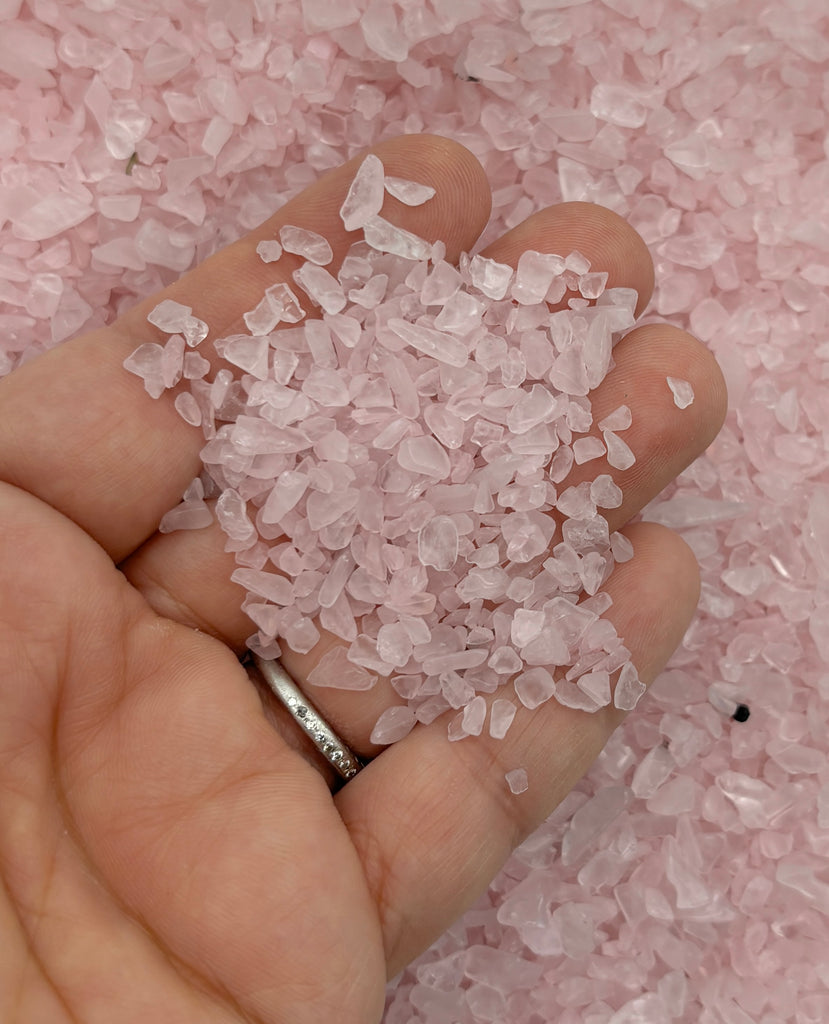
[[169, 849]]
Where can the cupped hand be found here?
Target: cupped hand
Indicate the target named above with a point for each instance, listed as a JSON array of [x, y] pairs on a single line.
[[170, 850]]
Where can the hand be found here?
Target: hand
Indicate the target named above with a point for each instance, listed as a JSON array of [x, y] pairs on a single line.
[[170, 851]]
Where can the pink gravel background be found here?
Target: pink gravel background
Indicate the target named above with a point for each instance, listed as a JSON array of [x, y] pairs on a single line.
[[686, 878]]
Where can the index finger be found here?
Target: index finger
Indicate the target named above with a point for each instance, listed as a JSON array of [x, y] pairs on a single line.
[[81, 433]]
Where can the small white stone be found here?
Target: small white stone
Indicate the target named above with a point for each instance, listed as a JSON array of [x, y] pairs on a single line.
[[269, 250], [364, 198], [517, 780], [409, 192], [682, 391]]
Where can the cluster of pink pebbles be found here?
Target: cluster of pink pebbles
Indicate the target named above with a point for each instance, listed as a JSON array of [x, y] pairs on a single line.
[[386, 467]]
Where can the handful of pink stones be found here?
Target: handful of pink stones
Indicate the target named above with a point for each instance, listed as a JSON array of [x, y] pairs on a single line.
[[388, 468]]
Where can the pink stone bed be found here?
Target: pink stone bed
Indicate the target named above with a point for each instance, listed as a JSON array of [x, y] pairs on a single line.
[[686, 877]]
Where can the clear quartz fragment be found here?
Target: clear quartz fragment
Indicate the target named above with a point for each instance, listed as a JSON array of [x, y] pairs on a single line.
[[682, 391], [430, 342], [147, 362], [269, 250], [619, 454], [308, 244], [500, 717], [517, 780], [322, 288], [629, 689], [364, 198], [334, 670], [394, 724], [409, 192], [387, 237], [534, 687], [437, 543], [490, 277]]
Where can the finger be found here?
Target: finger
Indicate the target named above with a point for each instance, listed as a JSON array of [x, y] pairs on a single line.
[[80, 432], [434, 821], [170, 569], [605, 238]]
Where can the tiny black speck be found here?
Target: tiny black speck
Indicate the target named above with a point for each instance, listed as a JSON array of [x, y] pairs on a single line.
[[742, 713]]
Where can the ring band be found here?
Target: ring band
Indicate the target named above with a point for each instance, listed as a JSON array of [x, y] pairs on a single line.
[[327, 742]]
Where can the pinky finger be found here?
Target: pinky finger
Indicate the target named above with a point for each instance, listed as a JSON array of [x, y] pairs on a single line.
[[434, 821]]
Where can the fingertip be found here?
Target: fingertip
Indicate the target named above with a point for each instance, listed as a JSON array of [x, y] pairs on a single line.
[[605, 238]]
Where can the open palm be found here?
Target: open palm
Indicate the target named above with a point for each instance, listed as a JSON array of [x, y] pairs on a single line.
[[169, 849]]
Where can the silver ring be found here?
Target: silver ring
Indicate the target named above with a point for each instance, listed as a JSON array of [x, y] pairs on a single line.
[[328, 743]]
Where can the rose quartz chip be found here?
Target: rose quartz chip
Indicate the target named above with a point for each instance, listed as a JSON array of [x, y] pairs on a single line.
[[174, 318], [308, 244], [629, 689], [437, 543], [682, 391], [322, 288], [188, 408], [250, 354], [394, 724], [364, 198], [387, 237], [430, 342], [490, 277], [146, 362], [597, 686], [335, 671], [500, 718], [619, 419], [474, 715], [286, 492], [284, 303], [619, 454], [587, 448], [517, 780], [194, 366], [534, 687], [269, 250], [409, 192]]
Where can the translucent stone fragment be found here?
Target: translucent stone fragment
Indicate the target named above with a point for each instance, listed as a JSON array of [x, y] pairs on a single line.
[[597, 686], [619, 419], [500, 717], [231, 514], [652, 771], [629, 689], [587, 448], [364, 198], [619, 454], [247, 352], [188, 408], [174, 318], [437, 543], [474, 715], [393, 725], [146, 362], [322, 288], [387, 237], [308, 244], [335, 671], [534, 687], [269, 250], [490, 277], [288, 489], [430, 342], [517, 780], [409, 192], [682, 391]]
